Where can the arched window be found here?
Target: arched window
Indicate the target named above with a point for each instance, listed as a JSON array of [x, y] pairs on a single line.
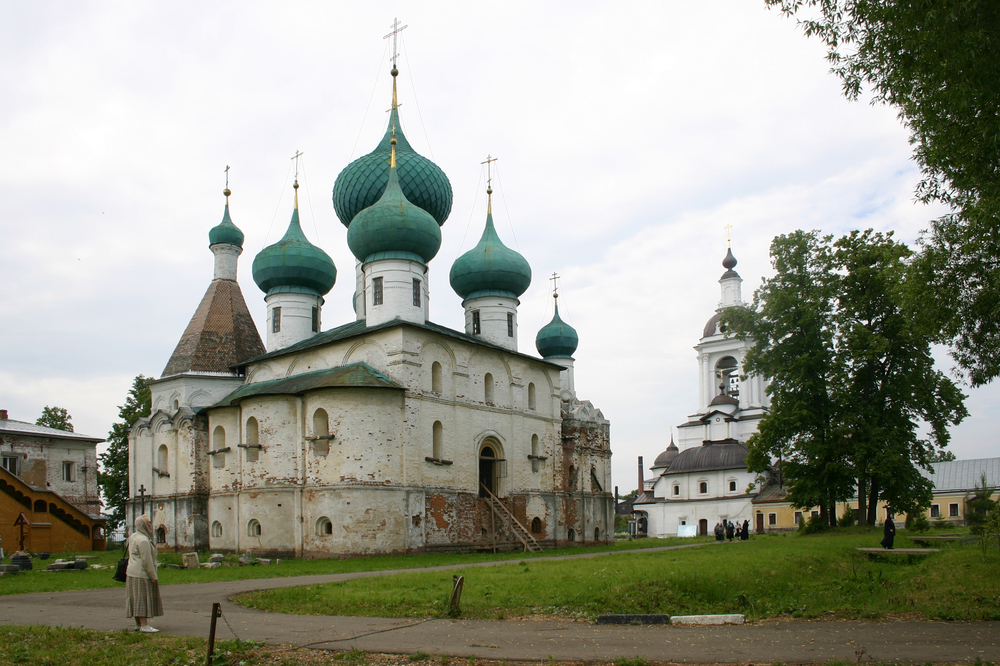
[[436, 383], [488, 387], [161, 534], [571, 535], [253, 440], [703, 487], [219, 442], [321, 430], [216, 529], [531, 395], [727, 373], [438, 440], [677, 489], [253, 528], [40, 506], [161, 458], [536, 525], [324, 527], [597, 534], [732, 486], [534, 445]]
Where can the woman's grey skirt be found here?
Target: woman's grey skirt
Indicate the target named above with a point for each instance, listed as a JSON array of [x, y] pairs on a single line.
[[142, 598]]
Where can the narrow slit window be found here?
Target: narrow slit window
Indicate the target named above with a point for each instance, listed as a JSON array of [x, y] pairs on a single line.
[[416, 292], [476, 326], [377, 291], [315, 321], [510, 324], [276, 320]]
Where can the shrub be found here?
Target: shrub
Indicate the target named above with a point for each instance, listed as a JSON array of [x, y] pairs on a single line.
[[846, 520], [814, 524], [917, 521]]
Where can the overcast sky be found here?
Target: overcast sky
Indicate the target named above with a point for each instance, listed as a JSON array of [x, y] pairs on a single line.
[[628, 135]]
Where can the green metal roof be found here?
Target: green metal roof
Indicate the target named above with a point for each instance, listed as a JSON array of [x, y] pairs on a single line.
[[490, 268], [294, 264], [557, 339], [355, 375], [394, 228], [225, 232], [363, 181]]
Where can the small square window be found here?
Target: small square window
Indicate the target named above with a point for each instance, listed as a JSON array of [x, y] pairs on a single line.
[[67, 471], [935, 510], [377, 297], [814, 513], [953, 510], [416, 293], [476, 326], [276, 320], [510, 324], [772, 519]]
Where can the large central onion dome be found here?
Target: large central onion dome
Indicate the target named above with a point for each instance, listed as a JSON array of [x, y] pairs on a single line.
[[293, 264], [394, 228], [557, 339], [226, 231], [363, 181], [490, 269]]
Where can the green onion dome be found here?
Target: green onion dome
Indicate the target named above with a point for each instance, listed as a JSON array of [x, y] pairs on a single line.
[[490, 269], [557, 339], [394, 228], [363, 181], [293, 264], [226, 231]]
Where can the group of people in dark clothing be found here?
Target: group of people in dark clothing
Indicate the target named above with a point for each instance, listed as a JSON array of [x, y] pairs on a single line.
[[727, 530]]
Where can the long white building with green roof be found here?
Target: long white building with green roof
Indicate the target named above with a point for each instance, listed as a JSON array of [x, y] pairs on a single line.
[[389, 433]]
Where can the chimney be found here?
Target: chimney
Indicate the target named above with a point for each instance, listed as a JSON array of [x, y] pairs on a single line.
[[3, 414], [640, 475]]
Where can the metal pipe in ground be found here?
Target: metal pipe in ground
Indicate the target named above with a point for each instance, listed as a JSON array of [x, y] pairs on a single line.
[[216, 614]]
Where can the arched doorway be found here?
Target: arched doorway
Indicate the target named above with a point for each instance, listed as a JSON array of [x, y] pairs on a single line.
[[703, 527], [487, 471]]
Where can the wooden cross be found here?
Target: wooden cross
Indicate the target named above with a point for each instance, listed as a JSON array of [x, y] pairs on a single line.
[[142, 497], [396, 29], [555, 285]]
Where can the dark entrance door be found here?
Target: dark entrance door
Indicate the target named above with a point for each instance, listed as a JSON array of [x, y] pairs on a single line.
[[703, 527], [487, 463], [760, 523]]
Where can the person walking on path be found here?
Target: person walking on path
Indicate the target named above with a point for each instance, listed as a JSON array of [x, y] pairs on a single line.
[[889, 532], [142, 589]]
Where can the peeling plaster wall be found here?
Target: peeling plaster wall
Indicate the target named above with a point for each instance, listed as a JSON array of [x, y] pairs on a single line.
[[40, 462]]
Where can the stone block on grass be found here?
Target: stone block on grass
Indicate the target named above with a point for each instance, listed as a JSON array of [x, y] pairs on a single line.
[[708, 619], [190, 560]]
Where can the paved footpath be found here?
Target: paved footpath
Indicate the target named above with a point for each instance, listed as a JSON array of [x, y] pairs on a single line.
[[188, 609]]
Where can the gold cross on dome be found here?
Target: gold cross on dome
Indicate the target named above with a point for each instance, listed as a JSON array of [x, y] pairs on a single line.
[[489, 161], [227, 176], [296, 156], [729, 235], [555, 284], [396, 29]]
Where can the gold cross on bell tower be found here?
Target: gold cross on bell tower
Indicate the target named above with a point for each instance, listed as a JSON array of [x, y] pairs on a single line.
[[729, 235]]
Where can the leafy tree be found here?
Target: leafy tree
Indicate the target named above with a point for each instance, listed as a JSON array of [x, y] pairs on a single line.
[[56, 417], [942, 456], [113, 474], [979, 505], [791, 324], [938, 64], [851, 374]]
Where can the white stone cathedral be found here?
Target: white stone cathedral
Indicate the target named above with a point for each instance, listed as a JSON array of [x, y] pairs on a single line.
[[386, 434], [703, 479]]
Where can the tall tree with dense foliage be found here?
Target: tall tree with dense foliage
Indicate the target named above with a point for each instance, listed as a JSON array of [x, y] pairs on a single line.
[[938, 64], [851, 377], [56, 417], [791, 324], [113, 474]]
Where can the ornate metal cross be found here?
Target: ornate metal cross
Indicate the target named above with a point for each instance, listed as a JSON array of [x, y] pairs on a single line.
[[396, 29]]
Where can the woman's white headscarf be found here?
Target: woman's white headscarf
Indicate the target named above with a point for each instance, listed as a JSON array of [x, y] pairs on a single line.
[[144, 526]]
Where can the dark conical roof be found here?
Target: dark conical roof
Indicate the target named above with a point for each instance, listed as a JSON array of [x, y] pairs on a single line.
[[221, 333], [489, 268], [666, 459]]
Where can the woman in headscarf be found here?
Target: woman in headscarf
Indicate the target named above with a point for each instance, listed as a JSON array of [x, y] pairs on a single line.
[[142, 589], [888, 532], [746, 531]]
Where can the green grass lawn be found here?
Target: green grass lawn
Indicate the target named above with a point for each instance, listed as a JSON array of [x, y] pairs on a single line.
[[39, 580], [808, 576]]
